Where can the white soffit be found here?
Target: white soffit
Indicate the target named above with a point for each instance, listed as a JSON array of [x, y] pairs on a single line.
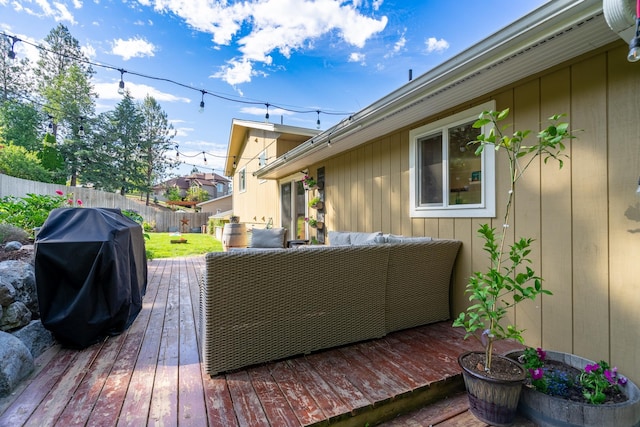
[[565, 34]]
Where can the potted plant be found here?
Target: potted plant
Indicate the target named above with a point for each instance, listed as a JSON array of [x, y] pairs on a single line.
[[316, 203], [314, 223], [309, 183], [508, 281], [565, 389]]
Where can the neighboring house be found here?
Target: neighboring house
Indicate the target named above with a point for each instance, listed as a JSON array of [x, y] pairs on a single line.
[[585, 218], [258, 202], [215, 185], [217, 205]]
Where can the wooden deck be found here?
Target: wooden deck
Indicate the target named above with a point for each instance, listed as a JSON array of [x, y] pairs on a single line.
[[151, 375]]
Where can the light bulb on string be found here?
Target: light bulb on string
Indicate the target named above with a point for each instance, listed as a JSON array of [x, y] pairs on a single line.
[[121, 84], [318, 121], [266, 116], [201, 109], [81, 128], [12, 54], [205, 157]]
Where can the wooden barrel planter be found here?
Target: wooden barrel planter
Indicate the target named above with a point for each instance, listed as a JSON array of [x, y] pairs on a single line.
[[234, 236], [545, 410]]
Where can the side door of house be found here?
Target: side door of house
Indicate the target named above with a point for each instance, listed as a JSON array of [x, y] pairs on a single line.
[[293, 209]]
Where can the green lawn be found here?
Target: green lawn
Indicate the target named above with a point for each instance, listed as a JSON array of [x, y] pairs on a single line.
[[160, 246]]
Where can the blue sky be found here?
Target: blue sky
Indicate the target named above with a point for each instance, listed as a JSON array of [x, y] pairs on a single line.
[[334, 56]]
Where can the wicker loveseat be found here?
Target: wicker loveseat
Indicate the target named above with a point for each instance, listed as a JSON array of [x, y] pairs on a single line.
[[262, 305]]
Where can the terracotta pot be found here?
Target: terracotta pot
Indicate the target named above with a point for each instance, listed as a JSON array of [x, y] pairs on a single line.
[[547, 410], [493, 401]]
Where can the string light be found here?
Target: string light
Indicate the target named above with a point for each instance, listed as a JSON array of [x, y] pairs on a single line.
[[318, 121], [81, 129], [201, 109], [12, 54], [121, 84], [205, 157], [266, 116]]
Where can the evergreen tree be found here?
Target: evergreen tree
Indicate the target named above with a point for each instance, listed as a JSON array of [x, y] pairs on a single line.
[[64, 80], [155, 141]]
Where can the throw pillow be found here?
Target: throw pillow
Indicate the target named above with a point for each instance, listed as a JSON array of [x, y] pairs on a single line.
[[358, 238], [268, 237], [339, 238]]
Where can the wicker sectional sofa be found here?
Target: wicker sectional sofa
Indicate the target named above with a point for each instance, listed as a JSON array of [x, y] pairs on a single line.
[[263, 305]]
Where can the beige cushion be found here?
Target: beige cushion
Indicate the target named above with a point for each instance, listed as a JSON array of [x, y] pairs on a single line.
[[268, 237]]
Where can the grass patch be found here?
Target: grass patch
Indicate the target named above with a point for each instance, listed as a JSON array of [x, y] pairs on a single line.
[[160, 246]]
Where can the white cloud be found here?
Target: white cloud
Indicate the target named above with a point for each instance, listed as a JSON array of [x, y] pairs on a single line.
[[435, 45], [357, 57], [77, 4], [237, 71], [274, 25], [183, 132], [58, 11], [138, 92], [89, 51], [132, 48]]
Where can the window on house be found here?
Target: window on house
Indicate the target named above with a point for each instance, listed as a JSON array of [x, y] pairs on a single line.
[[242, 180], [447, 179]]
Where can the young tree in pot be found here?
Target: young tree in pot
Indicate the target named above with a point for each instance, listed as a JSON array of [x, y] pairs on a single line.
[[509, 279]]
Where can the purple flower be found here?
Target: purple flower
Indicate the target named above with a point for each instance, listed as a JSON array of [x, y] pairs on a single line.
[[536, 373], [610, 376], [541, 353], [622, 380], [591, 368]]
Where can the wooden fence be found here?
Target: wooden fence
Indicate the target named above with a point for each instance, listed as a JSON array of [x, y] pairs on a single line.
[[164, 220]]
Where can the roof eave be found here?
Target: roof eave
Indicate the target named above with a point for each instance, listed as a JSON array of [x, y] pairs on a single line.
[[456, 79]]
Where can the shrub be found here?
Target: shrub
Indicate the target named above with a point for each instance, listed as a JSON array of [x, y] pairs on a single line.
[[30, 211], [10, 233]]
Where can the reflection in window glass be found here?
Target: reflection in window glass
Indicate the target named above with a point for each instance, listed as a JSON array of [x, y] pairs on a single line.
[[465, 168], [431, 170]]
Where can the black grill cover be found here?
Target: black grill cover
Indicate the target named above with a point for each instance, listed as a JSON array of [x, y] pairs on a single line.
[[91, 273]]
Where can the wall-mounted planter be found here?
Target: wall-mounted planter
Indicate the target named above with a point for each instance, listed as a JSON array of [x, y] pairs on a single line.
[[318, 205]]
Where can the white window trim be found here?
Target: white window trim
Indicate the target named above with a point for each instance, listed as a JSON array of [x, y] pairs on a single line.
[[487, 207]]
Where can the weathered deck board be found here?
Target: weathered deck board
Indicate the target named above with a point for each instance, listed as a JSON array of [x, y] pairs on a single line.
[[151, 375]]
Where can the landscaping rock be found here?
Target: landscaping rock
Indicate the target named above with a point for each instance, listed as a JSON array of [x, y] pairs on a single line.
[[17, 363], [22, 277], [15, 316], [35, 337], [7, 293], [12, 246]]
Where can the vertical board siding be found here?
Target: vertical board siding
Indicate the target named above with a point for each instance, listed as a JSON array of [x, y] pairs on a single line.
[[590, 189], [526, 210], [624, 210], [556, 229], [585, 217]]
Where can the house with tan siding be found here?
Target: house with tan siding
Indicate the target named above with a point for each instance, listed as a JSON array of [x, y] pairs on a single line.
[[400, 166]]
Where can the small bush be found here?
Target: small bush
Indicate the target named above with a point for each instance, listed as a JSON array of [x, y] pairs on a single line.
[[10, 233]]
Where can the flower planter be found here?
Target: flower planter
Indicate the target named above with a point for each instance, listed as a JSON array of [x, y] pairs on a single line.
[[545, 410], [318, 206], [493, 401]]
